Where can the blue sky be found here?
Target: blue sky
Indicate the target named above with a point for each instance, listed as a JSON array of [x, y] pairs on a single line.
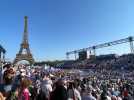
[[58, 26]]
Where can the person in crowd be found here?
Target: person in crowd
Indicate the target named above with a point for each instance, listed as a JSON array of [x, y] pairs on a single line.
[[46, 88], [1, 96], [87, 94], [60, 92], [24, 93], [7, 82], [73, 93]]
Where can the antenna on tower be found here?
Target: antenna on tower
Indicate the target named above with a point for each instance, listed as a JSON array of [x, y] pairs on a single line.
[[25, 37]]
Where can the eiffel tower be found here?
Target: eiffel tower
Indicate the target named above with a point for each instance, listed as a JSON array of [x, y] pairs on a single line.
[[24, 46]]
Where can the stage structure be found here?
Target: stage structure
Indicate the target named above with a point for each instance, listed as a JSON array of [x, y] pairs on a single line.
[[82, 55], [92, 49], [2, 54], [27, 55]]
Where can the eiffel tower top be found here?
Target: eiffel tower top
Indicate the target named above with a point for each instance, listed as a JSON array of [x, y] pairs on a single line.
[[25, 37]]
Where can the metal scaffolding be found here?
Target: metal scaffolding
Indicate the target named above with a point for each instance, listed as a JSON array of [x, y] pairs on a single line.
[[93, 48], [2, 55]]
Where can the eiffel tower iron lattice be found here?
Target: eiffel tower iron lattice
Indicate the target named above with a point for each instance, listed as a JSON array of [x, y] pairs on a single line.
[[24, 46]]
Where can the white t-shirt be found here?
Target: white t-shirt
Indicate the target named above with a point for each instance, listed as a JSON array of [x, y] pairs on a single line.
[[46, 88], [74, 93], [88, 97]]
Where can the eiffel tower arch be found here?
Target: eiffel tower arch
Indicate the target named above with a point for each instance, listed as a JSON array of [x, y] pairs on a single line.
[[27, 55]]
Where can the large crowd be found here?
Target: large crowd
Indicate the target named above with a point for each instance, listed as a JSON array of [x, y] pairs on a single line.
[[101, 82]]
